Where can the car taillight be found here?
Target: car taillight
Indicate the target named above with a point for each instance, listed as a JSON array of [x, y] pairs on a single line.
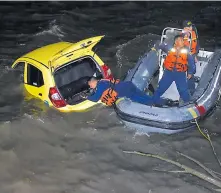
[[55, 98], [107, 72]]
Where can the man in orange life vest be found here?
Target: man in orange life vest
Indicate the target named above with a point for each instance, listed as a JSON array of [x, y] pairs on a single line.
[[109, 91], [194, 49], [176, 64], [190, 28]]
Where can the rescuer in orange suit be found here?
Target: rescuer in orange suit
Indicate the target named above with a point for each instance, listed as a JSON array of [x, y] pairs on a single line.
[[108, 91], [189, 27], [177, 62]]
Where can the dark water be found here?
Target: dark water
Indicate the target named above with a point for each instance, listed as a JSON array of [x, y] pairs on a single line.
[[42, 150]]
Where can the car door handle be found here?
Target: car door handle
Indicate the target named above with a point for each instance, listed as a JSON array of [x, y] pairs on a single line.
[[39, 94]]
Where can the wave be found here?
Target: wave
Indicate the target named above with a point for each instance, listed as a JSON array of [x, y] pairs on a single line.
[[54, 29], [130, 52]]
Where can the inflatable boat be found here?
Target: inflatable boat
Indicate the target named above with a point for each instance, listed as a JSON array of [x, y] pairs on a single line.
[[176, 117]]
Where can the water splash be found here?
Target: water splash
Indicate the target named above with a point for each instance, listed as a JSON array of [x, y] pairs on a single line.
[[130, 52], [54, 29], [121, 57]]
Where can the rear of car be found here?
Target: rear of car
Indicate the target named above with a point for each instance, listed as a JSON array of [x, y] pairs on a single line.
[[71, 82]]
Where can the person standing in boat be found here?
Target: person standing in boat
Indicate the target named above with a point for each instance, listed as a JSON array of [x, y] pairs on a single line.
[[177, 62], [108, 91], [189, 27]]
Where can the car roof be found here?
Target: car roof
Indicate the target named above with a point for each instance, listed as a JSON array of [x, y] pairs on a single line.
[[44, 53], [54, 55]]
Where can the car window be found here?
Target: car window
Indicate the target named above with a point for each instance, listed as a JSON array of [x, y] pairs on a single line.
[[19, 71], [34, 76], [20, 66]]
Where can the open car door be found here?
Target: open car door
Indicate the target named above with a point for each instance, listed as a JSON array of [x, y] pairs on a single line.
[[68, 53], [167, 37]]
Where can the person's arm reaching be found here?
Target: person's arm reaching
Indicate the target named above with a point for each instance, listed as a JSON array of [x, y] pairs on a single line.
[[101, 87], [96, 96], [164, 47]]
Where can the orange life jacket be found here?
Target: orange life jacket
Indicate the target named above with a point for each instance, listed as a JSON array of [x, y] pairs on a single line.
[[177, 59], [109, 96], [193, 42]]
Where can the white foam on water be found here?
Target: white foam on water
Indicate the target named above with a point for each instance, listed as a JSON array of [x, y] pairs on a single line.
[[54, 29]]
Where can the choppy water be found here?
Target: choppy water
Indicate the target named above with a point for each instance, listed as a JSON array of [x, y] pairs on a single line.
[[42, 150]]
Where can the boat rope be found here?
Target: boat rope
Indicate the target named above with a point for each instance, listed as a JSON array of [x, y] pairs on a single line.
[[208, 138], [203, 134]]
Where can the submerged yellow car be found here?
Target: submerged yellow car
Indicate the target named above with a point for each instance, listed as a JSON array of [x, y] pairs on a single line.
[[58, 73]]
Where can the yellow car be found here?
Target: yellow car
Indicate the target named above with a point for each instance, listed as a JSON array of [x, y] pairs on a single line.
[[58, 73]]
